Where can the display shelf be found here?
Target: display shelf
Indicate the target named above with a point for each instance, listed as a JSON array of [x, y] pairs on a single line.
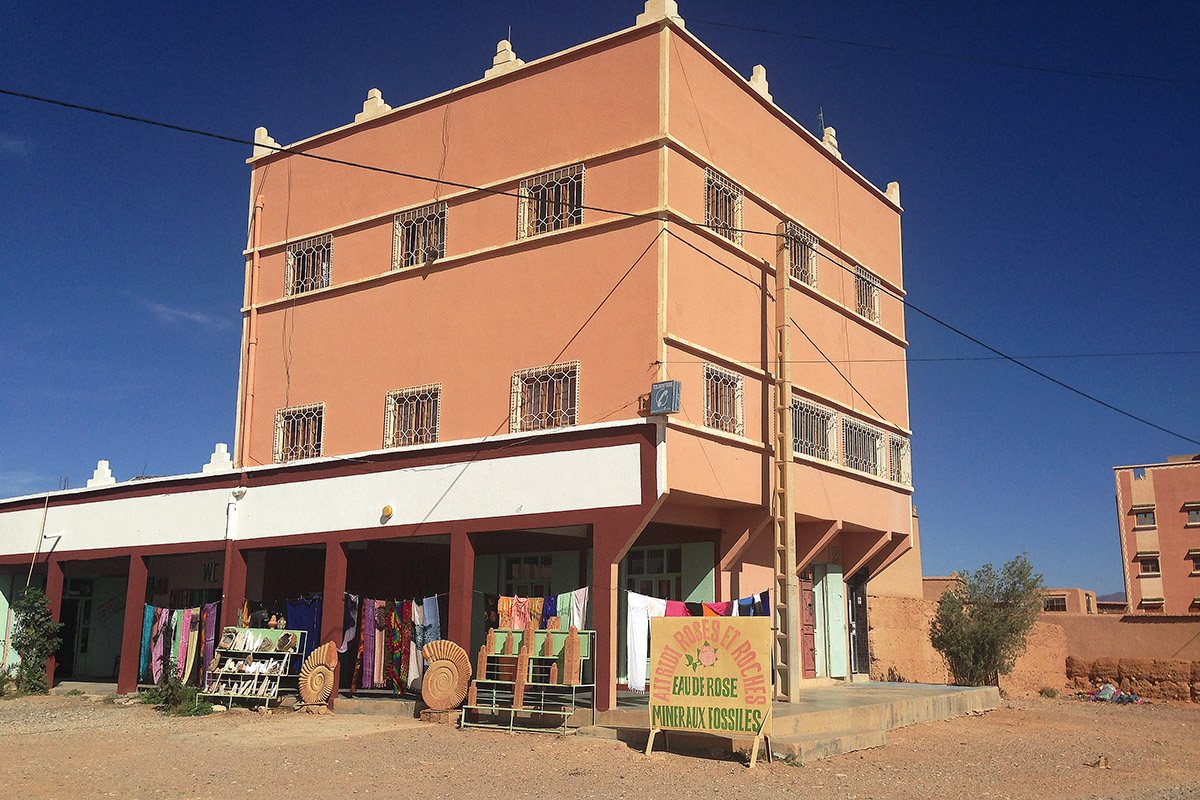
[[545, 680], [234, 673]]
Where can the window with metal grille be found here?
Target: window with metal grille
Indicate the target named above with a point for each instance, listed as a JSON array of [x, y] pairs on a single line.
[[545, 397], [862, 446], [814, 430], [299, 432], [723, 205], [655, 571], [550, 201], [866, 289], [308, 265], [412, 416], [802, 247], [419, 236], [722, 400], [900, 459], [1057, 603]]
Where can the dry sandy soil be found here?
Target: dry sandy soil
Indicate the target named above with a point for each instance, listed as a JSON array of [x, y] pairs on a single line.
[[77, 747]]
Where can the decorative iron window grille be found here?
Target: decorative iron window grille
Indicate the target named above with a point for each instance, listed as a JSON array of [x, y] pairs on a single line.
[[545, 397], [862, 445], [814, 430], [802, 245], [723, 400], [866, 289], [299, 432], [419, 236], [723, 205], [550, 201], [412, 416], [308, 265], [900, 459]]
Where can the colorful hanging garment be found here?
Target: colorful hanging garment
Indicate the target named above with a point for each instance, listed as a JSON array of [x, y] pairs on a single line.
[[305, 615], [564, 611], [520, 613], [381, 643], [535, 612], [717, 609], [349, 621], [147, 629], [192, 615], [366, 646], [549, 609], [504, 607], [399, 634], [158, 644], [416, 663], [210, 634], [433, 619], [677, 609], [639, 610], [694, 609], [491, 611], [178, 640]]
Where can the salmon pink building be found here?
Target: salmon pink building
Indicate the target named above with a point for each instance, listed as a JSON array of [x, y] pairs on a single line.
[[455, 312], [1158, 515]]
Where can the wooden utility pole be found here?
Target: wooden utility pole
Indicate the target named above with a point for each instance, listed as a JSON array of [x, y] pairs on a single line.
[[787, 583]]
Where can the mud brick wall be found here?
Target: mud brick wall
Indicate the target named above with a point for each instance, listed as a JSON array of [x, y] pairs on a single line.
[[1148, 678]]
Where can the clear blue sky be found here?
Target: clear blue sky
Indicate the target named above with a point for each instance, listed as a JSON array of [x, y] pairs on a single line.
[[1045, 214]]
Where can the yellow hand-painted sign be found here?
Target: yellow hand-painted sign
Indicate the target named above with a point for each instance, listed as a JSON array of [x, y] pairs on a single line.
[[711, 674]]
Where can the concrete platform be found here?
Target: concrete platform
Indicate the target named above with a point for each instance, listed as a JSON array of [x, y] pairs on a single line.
[[86, 688], [378, 706], [824, 722]]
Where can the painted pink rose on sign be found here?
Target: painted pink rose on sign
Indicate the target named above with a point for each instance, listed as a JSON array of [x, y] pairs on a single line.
[[707, 655]]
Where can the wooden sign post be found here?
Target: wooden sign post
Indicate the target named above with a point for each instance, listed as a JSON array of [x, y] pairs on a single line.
[[711, 675]]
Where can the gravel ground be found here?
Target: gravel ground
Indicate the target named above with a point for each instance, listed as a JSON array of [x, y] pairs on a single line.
[[68, 747]]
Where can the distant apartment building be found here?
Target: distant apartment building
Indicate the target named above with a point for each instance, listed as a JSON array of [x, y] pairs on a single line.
[[1158, 516], [445, 381]]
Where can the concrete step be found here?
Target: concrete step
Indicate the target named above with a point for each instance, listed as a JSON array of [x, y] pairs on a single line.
[[886, 713], [383, 706], [816, 746]]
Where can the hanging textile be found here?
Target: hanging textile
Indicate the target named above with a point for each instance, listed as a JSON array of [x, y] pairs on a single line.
[[210, 634], [147, 628], [504, 610], [382, 615], [243, 620], [535, 612], [349, 621], [399, 635], [193, 639], [491, 611], [520, 613], [365, 661], [762, 604], [178, 640], [549, 609], [563, 606], [433, 619], [415, 662], [639, 610], [158, 643], [717, 609], [676, 609], [579, 601], [305, 615], [694, 609]]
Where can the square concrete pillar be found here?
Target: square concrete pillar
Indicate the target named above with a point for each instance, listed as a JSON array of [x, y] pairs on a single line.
[[333, 603], [54, 594], [233, 584], [131, 633], [462, 589]]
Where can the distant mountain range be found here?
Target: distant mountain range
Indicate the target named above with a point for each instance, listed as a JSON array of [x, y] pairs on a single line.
[[1111, 597]]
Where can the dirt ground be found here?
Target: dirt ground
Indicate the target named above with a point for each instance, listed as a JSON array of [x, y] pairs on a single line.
[[68, 747]]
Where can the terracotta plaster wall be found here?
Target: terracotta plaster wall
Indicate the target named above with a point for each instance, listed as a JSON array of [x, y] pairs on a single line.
[[1092, 636]]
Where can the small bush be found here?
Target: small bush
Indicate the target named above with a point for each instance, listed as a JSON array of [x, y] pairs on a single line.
[[35, 636], [175, 698], [1046, 691], [75, 693], [7, 681]]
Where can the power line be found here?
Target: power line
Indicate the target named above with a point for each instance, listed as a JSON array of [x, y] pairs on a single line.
[[944, 359], [1079, 73], [615, 212]]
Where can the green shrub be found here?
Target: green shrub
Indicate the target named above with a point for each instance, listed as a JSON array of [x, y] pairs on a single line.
[[981, 623], [35, 636], [174, 697], [1046, 691], [7, 681]]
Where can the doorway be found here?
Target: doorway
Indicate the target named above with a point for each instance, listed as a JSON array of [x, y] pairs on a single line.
[[856, 611]]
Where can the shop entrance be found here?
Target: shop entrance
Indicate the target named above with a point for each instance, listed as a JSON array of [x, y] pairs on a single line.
[[856, 612], [92, 613]]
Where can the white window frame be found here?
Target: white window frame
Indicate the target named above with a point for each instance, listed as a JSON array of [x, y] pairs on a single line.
[[426, 226], [814, 430], [866, 293], [309, 265], [537, 215], [727, 420], [723, 205], [526, 412], [283, 451], [899, 459], [858, 441], [396, 414], [802, 249]]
